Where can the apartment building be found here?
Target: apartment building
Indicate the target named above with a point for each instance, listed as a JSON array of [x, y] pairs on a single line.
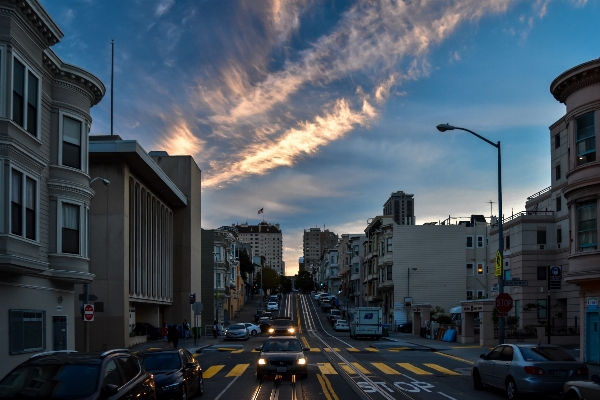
[[267, 242], [315, 242], [46, 194], [401, 207]]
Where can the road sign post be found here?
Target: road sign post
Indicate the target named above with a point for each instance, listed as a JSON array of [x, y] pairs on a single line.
[[88, 312], [504, 303]]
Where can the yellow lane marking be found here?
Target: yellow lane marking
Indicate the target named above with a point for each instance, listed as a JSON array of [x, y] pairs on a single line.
[[385, 369], [226, 348], [372, 350], [454, 357], [397, 349], [353, 349], [441, 369], [212, 371], [315, 350], [326, 368], [347, 369], [237, 370], [414, 369], [466, 347], [326, 386], [237, 351], [361, 368], [304, 341], [328, 350], [255, 351], [356, 365], [298, 316]]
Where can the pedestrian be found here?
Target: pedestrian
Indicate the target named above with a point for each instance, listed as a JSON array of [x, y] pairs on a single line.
[[215, 329], [173, 336], [186, 328], [164, 332]]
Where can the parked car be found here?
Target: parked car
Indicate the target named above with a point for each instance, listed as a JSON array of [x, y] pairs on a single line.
[[274, 298], [332, 314], [264, 323], [527, 368], [267, 314], [318, 295], [253, 329], [73, 375], [176, 372], [237, 331], [144, 328], [282, 326], [282, 355], [326, 305], [405, 327], [341, 325], [272, 306], [580, 390]]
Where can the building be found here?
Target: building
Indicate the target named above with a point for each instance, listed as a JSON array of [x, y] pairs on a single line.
[[401, 207], [574, 160], [266, 241], [145, 240], [45, 198], [316, 241]]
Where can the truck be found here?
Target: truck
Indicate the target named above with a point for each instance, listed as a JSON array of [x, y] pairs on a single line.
[[366, 322]]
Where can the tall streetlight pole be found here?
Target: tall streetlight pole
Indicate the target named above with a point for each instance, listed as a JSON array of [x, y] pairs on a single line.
[[499, 254]]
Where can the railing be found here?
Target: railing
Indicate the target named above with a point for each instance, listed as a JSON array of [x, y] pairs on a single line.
[[541, 192], [516, 333], [522, 213]]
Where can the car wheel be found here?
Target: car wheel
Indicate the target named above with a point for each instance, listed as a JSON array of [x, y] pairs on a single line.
[[511, 389], [253, 332], [477, 384], [183, 392], [200, 391], [572, 396]]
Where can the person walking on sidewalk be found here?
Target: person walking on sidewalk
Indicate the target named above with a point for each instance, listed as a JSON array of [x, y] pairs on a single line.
[[215, 329], [186, 329], [164, 332], [173, 336]]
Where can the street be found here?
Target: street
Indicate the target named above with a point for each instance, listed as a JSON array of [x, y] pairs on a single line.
[[340, 367]]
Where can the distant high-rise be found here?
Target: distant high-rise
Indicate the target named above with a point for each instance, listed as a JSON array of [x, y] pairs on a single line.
[[266, 241], [401, 207], [315, 242]]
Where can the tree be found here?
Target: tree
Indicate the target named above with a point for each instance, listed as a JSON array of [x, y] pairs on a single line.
[[246, 266], [270, 280], [304, 281], [286, 284], [435, 311]]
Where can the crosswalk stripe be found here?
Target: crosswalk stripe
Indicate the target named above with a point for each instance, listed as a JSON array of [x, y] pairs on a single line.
[[385, 369], [353, 349], [372, 350], [356, 365], [255, 351], [237, 370], [441, 369], [210, 372], [361, 368], [328, 350], [397, 349], [414, 369], [315, 350], [347, 369], [326, 368]]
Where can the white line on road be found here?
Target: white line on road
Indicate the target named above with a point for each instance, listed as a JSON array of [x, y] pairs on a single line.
[[445, 395]]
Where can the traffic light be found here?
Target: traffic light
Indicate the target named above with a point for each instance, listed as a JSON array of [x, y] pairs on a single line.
[[192, 298]]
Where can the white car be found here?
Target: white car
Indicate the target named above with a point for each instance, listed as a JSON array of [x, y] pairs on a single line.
[[341, 325], [272, 306], [253, 329]]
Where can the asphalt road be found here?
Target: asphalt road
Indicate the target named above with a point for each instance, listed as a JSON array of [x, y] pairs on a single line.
[[340, 368]]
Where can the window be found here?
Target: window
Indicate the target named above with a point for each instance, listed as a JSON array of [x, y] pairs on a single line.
[[507, 242], [479, 268], [356, 250], [507, 274], [389, 244], [27, 331], [469, 295], [586, 138], [559, 235], [541, 236], [389, 272], [557, 141], [469, 269], [541, 273], [70, 228], [586, 224], [71, 145], [558, 204], [356, 268], [25, 97], [218, 280], [541, 311], [480, 294], [23, 205], [469, 242], [557, 172], [479, 241]]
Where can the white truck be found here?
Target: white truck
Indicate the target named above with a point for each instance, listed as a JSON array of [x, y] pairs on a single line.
[[366, 322]]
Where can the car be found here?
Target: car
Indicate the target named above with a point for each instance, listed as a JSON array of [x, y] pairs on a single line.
[[68, 374], [253, 329], [237, 331], [274, 298], [176, 372], [282, 326], [332, 314], [267, 314], [341, 325], [272, 306], [151, 331], [579, 390], [333, 319], [282, 355], [527, 368], [264, 323], [316, 296], [326, 305], [405, 327]]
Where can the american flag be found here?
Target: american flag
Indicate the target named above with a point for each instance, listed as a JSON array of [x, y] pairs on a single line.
[[261, 210]]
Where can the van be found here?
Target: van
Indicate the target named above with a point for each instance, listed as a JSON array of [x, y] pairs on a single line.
[[366, 322]]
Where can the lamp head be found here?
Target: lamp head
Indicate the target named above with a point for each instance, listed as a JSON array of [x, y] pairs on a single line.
[[106, 182], [444, 127]]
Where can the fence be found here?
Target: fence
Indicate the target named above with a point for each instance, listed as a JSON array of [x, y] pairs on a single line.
[[516, 333]]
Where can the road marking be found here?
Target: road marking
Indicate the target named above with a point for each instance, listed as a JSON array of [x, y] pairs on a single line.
[[445, 395], [352, 371], [315, 350], [237, 351], [210, 372], [372, 350], [414, 369], [353, 349], [398, 349], [385, 369], [305, 342], [226, 348], [454, 357], [326, 368], [237, 370], [255, 351], [328, 350], [441, 369], [326, 386]]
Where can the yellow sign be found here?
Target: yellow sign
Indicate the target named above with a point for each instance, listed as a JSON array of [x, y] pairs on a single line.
[[498, 263]]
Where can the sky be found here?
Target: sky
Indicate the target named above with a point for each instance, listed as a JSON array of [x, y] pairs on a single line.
[[317, 110]]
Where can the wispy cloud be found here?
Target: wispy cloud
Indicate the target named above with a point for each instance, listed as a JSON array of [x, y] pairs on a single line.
[[163, 7]]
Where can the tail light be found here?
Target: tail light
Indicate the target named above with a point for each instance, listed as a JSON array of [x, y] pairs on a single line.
[[534, 370], [582, 371]]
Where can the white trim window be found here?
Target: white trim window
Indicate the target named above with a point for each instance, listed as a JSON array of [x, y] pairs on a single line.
[[389, 244], [479, 241], [469, 269], [25, 97], [480, 268], [73, 228], [73, 139], [469, 295], [481, 294], [23, 205]]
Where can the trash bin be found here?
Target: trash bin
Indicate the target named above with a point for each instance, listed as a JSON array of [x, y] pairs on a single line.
[[385, 328], [196, 332]]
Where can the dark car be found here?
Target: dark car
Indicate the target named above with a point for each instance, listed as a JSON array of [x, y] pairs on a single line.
[[405, 327], [326, 305], [117, 374], [282, 355], [178, 375], [282, 326], [144, 328]]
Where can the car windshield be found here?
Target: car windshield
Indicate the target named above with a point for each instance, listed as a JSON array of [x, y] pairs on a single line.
[[341, 321], [66, 381], [272, 303], [282, 322], [237, 327], [161, 361], [545, 353], [281, 345]]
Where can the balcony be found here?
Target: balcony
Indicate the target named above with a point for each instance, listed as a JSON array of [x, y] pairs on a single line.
[[374, 298], [387, 284]]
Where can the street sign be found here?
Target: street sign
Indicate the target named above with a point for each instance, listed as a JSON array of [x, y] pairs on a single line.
[[498, 263], [516, 282], [88, 312], [555, 277], [504, 303], [197, 307], [91, 297]]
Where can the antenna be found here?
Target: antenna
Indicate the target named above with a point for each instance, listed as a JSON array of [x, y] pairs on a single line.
[[112, 83], [491, 202]]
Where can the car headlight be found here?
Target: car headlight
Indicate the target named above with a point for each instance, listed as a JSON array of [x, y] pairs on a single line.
[[170, 388], [291, 330], [302, 361], [262, 361], [271, 330]]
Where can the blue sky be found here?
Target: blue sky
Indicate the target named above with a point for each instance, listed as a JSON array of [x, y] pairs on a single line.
[[317, 110]]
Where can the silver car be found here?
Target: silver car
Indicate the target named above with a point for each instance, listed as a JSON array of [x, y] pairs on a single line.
[[579, 390], [237, 331], [527, 368]]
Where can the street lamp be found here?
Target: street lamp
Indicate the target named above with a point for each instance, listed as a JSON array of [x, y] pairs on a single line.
[[447, 127]]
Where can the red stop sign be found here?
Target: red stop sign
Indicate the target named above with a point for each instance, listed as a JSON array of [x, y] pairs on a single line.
[[504, 303], [88, 312]]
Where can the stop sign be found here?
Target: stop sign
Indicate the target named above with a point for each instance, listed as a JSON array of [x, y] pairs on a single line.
[[504, 303], [88, 313]]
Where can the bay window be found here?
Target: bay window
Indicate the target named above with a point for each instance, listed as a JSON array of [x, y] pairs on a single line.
[[586, 138], [23, 205], [586, 224], [25, 97], [70, 228], [71, 145]]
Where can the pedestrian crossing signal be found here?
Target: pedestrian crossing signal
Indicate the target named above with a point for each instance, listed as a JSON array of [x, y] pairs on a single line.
[[192, 298]]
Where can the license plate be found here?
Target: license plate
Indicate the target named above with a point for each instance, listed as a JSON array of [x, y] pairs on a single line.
[[281, 369], [560, 374]]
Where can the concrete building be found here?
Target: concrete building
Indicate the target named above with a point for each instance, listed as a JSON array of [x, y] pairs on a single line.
[[45, 198], [401, 207], [315, 242], [266, 241]]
